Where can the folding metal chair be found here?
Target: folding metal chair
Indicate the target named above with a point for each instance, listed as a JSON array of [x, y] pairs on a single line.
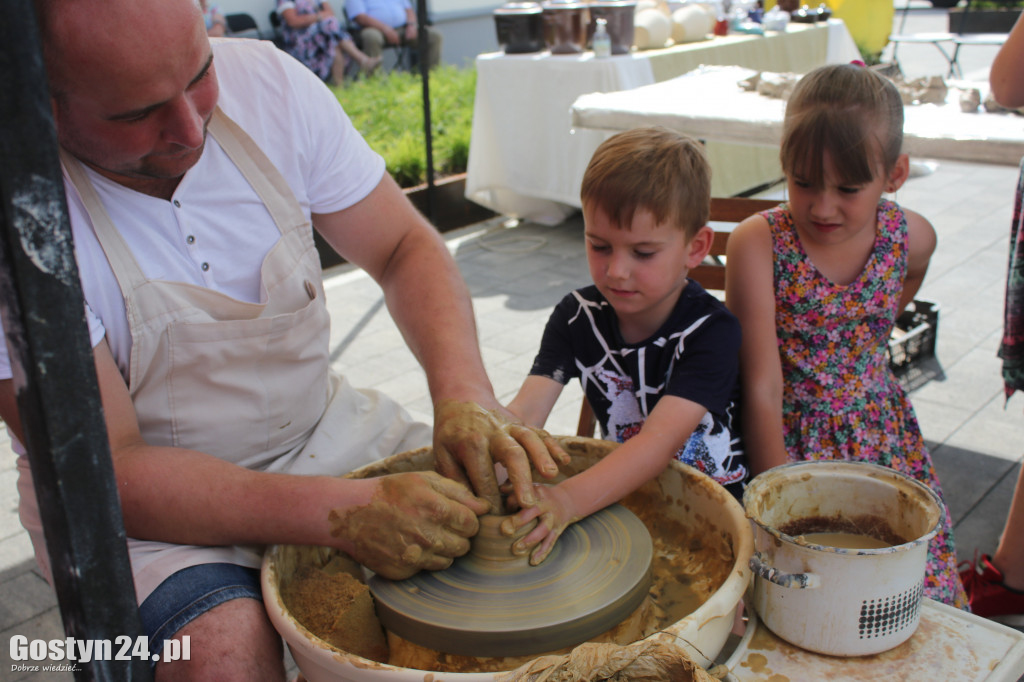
[[944, 42], [949, 43], [242, 25]]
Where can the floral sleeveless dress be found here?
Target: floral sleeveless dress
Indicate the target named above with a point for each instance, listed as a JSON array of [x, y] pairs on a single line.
[[840, 398], [314, 45]]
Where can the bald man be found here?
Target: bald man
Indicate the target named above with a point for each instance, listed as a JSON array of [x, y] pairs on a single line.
[[195, 171]]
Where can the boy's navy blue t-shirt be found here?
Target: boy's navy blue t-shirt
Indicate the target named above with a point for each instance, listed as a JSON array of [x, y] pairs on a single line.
[[695, 355]]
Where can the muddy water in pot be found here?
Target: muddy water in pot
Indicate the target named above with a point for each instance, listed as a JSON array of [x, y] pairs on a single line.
[[833, 595], [701, 544], [844, 540]]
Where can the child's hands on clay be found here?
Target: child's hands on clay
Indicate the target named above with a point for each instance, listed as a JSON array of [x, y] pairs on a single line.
[[469, 440], [554, 511], [413, 521]]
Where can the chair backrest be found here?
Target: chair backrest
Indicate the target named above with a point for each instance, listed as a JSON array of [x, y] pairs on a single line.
[[710, 274], [275, 25], [240, 22]]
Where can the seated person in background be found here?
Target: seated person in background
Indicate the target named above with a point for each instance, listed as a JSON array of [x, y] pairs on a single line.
[[392, 22], [314, 36], [216, 24], [657, 355]]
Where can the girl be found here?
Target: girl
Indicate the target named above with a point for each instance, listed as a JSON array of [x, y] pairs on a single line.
[[817, 284]]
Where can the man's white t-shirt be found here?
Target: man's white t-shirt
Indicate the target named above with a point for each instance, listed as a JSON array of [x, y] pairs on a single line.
[[215, 231]]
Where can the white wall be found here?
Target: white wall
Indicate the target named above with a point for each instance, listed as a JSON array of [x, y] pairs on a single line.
[[468, 25]]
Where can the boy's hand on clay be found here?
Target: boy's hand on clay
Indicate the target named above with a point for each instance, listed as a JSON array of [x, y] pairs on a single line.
[[469, 440], [554, 511], [413, 521]]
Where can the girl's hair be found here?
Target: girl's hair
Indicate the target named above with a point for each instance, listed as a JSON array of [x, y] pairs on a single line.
[[849, 111], [650, 168]]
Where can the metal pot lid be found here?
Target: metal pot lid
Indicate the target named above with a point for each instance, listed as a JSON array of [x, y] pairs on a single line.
[[519, 8]]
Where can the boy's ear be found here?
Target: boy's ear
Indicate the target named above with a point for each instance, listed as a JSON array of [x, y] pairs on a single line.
[[898, 175], [700, 246]]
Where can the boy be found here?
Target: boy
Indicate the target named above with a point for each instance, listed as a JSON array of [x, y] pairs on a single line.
[[656, 354]]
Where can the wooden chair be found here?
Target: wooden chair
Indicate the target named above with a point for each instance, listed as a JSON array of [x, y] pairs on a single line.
[[710, 274]]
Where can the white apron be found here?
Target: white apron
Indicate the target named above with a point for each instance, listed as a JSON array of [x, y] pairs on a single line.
[[246, 382]]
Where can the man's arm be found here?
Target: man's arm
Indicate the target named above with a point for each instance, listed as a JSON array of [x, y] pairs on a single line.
[[357, 11], [427, 297], [188, 497], [410, 24], [385, 235]]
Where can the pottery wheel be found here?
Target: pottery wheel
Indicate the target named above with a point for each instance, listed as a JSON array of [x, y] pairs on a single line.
[[598, 572]]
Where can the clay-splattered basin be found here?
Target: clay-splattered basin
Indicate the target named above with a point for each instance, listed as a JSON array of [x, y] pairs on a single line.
[[682, 498]]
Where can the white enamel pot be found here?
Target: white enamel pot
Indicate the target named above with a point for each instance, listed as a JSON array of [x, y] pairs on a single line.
[[832, 600]]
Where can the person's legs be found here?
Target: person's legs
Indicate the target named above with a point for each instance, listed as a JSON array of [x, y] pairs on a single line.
[[434, 42], [220, 608], [232, 641], [373, 42], [367, 64], [1009, 556], [995, 584]]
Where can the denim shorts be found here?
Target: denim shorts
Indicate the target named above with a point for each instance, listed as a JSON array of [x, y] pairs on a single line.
[[190, 593]]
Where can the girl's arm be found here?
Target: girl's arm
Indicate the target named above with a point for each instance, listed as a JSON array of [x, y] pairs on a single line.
[[292, 17], [638, 460], [1006, 77], [535, 400], [921, 239], [750, 295]]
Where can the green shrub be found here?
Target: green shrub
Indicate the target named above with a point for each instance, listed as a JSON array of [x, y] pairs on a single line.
[[388, 111]]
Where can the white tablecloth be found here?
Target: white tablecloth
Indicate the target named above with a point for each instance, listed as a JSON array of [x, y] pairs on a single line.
[[526, 159], [708, 103]]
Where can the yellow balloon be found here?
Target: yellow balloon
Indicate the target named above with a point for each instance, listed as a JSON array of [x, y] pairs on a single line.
[[869, 21]]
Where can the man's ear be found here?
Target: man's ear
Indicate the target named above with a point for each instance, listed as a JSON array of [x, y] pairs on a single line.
[[898, 175], [700, 246]]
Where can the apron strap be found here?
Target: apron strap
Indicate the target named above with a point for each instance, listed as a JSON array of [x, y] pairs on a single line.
[[111, 241], [259, 170]]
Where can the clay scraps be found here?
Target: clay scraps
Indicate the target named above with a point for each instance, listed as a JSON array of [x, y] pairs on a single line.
[[649, 660]]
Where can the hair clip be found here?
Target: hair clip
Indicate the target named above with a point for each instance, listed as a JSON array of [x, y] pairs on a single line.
[[857, 62]]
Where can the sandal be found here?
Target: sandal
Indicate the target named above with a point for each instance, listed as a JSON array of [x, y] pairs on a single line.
[[988, 595]]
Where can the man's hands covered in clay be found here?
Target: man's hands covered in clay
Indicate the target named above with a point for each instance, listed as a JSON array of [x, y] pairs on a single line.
[[413, 521], [554, 511], [469, 440]]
